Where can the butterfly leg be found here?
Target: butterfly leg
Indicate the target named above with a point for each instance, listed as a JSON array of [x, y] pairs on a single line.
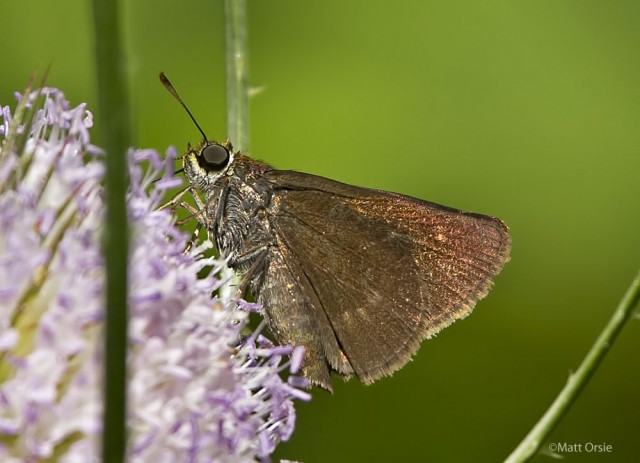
[[257, 254], [174, 201], [194, 236]]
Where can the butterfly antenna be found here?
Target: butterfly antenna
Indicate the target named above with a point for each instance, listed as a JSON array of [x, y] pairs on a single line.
[[179, 171], [172, 90]]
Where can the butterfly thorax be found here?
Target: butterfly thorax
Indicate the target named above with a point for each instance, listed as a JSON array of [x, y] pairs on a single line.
[[234, 202]]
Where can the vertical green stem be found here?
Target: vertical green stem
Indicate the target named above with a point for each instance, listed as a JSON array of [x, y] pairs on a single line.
[[113, 118], [237, 73], [540, 432]]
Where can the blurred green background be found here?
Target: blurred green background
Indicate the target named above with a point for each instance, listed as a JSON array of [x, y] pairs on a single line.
[[529, 111]]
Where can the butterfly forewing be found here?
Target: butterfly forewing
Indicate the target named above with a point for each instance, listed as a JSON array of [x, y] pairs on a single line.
[[383, 270]]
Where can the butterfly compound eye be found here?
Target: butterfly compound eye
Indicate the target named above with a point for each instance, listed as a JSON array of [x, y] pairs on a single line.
[[214, 157]]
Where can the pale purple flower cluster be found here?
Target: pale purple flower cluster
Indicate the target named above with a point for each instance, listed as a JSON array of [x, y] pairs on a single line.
[[198, 391]]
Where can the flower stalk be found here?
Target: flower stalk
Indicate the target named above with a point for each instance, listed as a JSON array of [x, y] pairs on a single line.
[[114, 114], [578, 380], [237, 66]]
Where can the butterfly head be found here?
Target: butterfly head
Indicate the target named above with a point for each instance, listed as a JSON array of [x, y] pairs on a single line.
[[208, 162]]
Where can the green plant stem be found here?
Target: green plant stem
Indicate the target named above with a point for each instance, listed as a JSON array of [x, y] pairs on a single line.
[[540, 432], [237, 73], [113, 118]]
